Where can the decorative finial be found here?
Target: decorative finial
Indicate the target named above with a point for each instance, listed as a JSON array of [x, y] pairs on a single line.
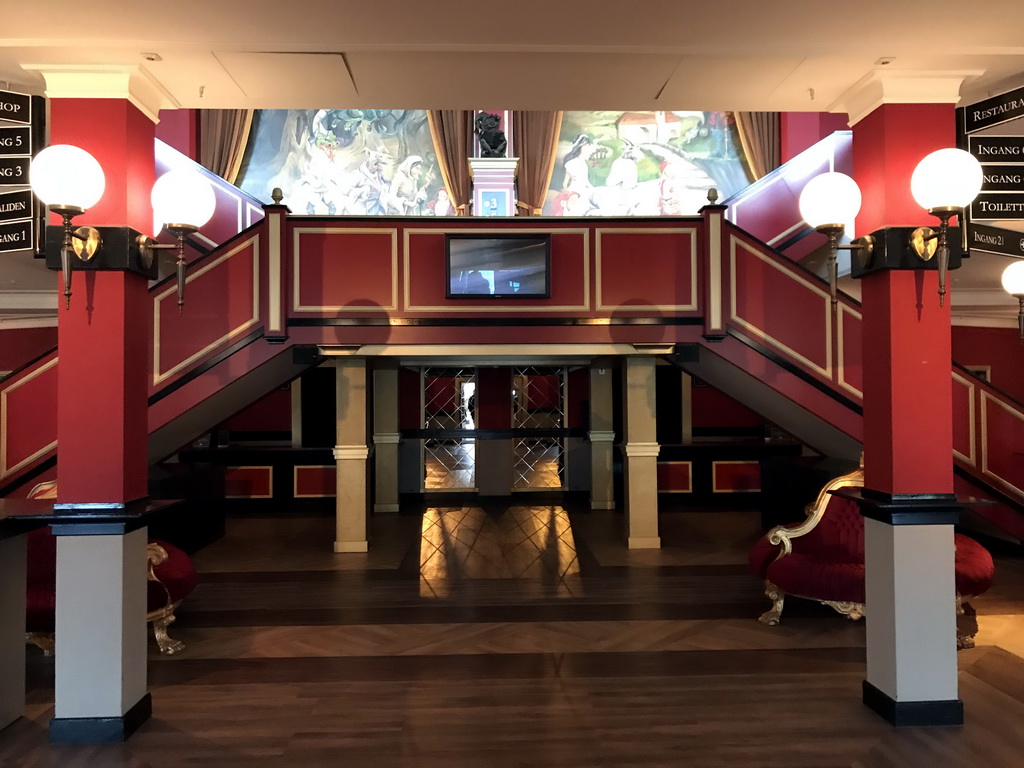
[[277, 195], [712, 196]]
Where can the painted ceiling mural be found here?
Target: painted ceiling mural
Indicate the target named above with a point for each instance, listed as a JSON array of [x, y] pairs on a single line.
[[382, 162], [346, 162], [643, 163]]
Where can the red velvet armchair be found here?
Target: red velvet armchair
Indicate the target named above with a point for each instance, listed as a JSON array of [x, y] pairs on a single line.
[[822, 559]]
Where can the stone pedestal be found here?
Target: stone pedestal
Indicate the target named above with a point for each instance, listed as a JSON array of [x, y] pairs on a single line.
[[494, 185]]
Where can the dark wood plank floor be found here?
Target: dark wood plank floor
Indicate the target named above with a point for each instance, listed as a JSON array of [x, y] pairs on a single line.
[[526, 637]]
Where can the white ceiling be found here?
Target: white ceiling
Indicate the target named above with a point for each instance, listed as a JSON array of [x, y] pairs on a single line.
[[788, 55], [534, 54]]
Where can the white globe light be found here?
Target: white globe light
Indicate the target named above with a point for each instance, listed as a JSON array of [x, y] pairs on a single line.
[[1013, 279], [183, 197], [831, 198], [947, 178], [64, 175]]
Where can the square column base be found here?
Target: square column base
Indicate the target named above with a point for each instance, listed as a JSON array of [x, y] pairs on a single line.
[[913, 713], [645, 542], [101, 730]]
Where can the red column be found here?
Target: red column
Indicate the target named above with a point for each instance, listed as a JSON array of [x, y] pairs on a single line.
[[103, 339], [907, 352]]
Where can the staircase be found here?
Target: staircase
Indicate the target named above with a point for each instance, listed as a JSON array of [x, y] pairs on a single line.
[[742, 316]]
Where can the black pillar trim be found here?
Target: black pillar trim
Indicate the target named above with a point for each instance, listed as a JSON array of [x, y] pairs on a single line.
[[101, 730], [905, 509], [904, 714]]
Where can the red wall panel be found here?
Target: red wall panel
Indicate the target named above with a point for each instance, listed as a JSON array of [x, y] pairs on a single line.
[[344, 269], [220, 305], [997, 348], [675, 476], [28, 416], [640, 269], [781, 307], [315, 482]]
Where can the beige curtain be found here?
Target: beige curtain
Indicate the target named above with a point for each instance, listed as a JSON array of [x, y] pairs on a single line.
[[760, 136], [536, 144], [452, 133], [223, 135]]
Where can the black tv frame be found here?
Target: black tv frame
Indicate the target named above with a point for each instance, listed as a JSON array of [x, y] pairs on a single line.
[[544, 238]]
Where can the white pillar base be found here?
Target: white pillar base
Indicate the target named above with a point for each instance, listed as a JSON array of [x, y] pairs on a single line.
[[645, 542], [100, 654]]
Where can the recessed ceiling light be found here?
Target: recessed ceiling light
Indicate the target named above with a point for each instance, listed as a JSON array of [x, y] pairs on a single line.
[[152, 56], [885, 61]]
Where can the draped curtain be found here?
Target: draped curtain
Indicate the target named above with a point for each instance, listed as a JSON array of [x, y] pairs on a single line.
[[452, 134], [536, 144], [223, 135], [760, 135]]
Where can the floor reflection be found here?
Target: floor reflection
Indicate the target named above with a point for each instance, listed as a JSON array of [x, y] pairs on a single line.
[[533, 545]]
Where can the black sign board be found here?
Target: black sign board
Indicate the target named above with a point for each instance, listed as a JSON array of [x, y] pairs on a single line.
[[16, 140], [15, 107], [998, 205], [996, 149], [998, 109], [1002, 178], [16, 236], [14, 171], [16, 205], [1006, 242]]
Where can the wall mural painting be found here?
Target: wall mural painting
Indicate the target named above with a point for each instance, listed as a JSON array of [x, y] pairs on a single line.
[[346, 162], [643, 163]]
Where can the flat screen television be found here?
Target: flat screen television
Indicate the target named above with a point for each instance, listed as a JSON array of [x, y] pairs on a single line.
[[513, 266]]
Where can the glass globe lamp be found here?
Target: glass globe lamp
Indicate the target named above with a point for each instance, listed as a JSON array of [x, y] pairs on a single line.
[[946, 179], [183, 199], [66, 177], [1013, 284], [831, 199]]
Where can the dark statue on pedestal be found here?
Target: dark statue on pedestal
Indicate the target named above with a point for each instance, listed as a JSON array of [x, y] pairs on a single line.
[[492, 141]]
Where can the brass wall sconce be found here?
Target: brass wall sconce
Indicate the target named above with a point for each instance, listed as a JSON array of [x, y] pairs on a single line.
[[944, 183], [830, 203], [69, 181], [179, 197]]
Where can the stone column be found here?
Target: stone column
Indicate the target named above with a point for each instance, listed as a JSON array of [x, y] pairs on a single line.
[[602, 437], [641, 454], [102, 429], [386, 437], [351, 453], [908, 498]]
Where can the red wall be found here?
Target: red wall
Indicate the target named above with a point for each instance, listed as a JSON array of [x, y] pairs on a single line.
[[999, 348], [714, 408], [22, 345], [800, 130], [271, 413], [179, 128]]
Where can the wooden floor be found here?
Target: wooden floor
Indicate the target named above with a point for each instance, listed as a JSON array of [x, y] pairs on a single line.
[[526, 636]]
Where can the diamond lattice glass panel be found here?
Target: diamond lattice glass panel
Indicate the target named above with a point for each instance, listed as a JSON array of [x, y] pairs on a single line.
[[447, 397], [449, 460], [537, 462], [450, 464], [538, 398]]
